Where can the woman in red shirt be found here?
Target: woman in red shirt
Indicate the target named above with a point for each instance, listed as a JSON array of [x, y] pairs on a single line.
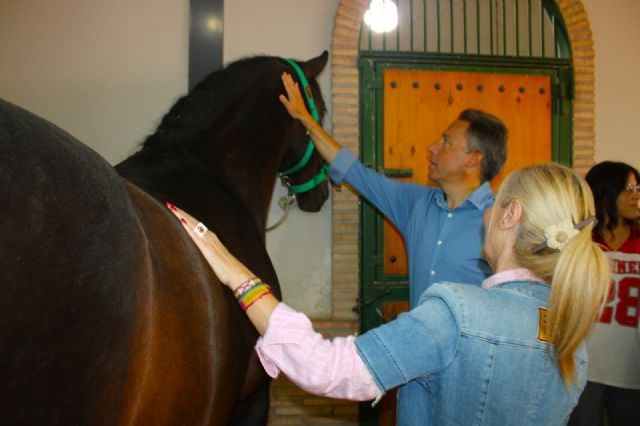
[[613, 387]]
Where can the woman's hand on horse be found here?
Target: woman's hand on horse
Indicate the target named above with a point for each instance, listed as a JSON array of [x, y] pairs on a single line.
[[227, 268], [294, 103]]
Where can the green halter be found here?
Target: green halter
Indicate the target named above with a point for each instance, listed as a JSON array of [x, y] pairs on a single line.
[[322, 174]]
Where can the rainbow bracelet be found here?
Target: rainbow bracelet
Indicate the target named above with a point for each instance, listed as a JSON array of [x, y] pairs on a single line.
[[253, 295]]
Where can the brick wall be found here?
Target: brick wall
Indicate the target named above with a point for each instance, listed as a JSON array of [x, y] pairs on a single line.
[[291, 406]]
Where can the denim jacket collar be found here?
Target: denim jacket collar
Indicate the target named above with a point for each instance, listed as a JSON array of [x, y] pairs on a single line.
[[536, 289]]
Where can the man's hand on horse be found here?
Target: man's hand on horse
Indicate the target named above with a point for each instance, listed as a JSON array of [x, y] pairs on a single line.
[[294, 103]]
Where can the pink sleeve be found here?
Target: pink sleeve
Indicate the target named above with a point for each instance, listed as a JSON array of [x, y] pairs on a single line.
[[319, 366]]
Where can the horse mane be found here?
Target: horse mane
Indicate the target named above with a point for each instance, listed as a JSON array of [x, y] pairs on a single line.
[[233, 110], [224, 96]]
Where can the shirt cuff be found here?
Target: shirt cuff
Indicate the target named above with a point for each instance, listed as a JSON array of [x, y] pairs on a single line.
[[341, 165], [285, 326]]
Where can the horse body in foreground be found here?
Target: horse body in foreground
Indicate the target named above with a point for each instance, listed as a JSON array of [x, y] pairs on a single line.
[[108, 312]]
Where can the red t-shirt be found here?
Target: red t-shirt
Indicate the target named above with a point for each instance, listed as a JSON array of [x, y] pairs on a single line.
[[614, 345]]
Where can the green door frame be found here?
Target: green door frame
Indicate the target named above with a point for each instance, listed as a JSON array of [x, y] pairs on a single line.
[[375, 287]]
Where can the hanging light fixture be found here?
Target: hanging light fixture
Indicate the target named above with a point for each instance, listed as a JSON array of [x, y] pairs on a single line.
[[382, 16]]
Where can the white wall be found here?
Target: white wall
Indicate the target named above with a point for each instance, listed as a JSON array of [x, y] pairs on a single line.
[[104, 71], [107, 71], [616, 35]]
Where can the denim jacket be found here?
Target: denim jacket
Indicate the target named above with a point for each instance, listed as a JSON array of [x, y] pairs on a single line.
[[473, 356]]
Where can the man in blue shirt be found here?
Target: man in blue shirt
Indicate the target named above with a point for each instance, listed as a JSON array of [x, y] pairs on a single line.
[[442, 228]]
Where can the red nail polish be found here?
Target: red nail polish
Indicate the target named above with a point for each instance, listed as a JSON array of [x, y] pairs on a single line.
[[183, 220], [171, 206]]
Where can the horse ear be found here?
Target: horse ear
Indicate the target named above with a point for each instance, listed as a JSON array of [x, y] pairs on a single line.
[[313, 66]]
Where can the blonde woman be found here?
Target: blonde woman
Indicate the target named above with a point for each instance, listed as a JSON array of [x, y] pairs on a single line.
[[510, 352]]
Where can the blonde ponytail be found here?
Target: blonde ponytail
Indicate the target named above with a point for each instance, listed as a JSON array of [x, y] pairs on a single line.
[[579, 273], [578, 289]]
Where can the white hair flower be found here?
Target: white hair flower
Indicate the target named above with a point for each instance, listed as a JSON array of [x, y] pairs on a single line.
[[558, 236]]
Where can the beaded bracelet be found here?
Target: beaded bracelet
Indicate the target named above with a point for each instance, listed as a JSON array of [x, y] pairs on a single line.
[[253, 295], [245, 286]]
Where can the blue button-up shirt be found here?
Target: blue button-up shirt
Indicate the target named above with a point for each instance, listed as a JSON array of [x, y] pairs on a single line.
[[470, 356], [442, 244]]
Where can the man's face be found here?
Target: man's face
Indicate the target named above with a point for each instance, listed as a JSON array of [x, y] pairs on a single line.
[[449, 155]]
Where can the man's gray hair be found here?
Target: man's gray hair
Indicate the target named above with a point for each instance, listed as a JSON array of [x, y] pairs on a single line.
[[488, 135]]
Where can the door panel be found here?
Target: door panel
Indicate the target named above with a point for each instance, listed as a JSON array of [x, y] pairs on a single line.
[[420, 105]]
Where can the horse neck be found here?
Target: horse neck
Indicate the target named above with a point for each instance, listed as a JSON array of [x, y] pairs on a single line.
[[246, 168], [225, 130], [250, 173]]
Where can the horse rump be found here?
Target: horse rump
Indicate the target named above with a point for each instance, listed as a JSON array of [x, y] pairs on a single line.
[[65, 316]]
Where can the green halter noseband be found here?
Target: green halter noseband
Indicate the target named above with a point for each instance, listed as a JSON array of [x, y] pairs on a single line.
[[322, 174]]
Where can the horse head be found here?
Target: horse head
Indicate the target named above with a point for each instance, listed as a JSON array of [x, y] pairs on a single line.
[[302, 170]]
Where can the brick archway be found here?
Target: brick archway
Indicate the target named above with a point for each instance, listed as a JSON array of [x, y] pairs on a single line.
[[346, 103]]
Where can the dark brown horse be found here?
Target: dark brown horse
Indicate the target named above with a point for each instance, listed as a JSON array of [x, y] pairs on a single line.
[[108, 312]]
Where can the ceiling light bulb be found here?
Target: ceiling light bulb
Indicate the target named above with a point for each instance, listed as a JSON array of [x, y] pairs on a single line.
[[382, 16]]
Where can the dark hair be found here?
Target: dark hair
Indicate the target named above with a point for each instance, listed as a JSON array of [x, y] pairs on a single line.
[[607, 180], [488, 135]]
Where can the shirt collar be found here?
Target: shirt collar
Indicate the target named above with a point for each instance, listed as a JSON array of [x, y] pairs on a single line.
[[517, 274], [481, 198]]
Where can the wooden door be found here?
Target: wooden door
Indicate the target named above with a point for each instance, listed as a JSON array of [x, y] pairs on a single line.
[[419, 106]]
